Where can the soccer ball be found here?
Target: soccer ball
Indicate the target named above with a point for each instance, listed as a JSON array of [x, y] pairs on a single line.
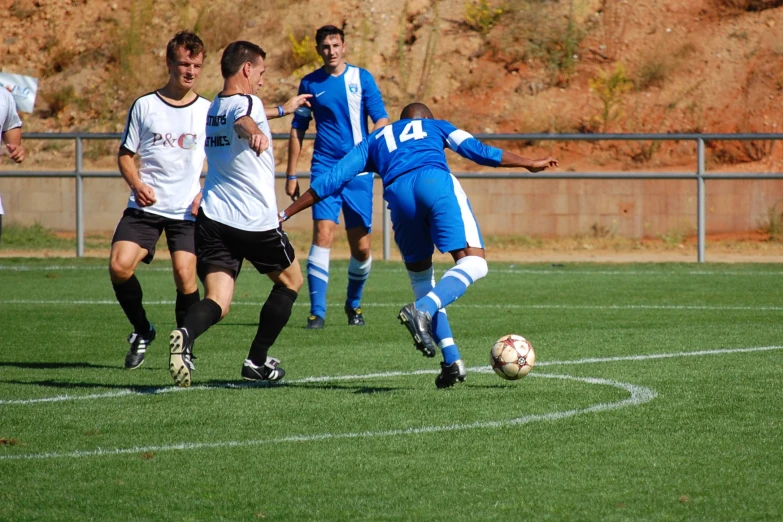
[[512, 357]]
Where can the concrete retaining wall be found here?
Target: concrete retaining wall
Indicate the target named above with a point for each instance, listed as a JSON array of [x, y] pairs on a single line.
[[628, 208]]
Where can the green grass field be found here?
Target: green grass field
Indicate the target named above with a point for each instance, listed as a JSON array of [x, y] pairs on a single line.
[[656, 396]]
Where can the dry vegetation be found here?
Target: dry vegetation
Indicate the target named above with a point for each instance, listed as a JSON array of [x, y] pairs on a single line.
[[488, 65]]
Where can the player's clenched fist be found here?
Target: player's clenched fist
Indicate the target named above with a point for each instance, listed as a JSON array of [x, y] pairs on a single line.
[[258, 143], [16, 152], [145, 196]]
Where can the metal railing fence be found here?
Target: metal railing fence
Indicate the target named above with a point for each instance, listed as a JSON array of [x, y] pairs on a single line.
[[699, 176]]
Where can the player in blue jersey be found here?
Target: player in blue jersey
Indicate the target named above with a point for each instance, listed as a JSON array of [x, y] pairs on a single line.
[[428, 209], [343, 96]]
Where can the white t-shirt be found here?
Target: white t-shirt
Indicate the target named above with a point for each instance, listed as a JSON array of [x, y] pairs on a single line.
[[170, 143], [240, 187], [9, 118]]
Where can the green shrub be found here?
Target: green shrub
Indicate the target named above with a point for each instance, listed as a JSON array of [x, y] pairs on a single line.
[[303, 51], [610, 87], [773, 224], [481, 17]]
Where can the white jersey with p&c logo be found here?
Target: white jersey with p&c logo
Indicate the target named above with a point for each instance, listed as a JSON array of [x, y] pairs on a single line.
[[169, 141]]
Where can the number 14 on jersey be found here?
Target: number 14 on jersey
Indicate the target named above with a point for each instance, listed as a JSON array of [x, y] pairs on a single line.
[[412, 131]]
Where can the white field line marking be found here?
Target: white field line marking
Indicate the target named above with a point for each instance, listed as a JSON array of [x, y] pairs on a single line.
[[102, 302], [638, 395], [401, 270], [153, 390]]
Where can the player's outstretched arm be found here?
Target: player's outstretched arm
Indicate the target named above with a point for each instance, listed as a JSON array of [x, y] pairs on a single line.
[[144, 194], [509, 159], [247, 129], [307, 200], [288, 107], [352, 164]]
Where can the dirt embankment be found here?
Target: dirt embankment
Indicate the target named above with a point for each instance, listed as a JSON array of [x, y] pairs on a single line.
[[487, 65]]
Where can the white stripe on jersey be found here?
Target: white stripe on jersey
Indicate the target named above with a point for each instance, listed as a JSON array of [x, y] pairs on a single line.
[[353, 80], [468, 219], [456, 138]]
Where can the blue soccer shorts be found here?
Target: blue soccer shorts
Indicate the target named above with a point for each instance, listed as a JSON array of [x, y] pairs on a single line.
[[429, 209], [355, 200]]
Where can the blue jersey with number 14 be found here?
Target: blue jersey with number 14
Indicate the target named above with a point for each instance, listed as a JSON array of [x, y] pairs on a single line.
[[402, 147]]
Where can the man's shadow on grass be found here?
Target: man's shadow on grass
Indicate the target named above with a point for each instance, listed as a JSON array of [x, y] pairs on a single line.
[[50, 383], [213, 384], [353, 388], [54, 365]]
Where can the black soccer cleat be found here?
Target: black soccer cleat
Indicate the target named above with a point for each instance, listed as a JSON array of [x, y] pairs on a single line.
[[355, 317], [419, 325], [138, 348], [269, 371], [315, 322], [451, 374], [181, 357]]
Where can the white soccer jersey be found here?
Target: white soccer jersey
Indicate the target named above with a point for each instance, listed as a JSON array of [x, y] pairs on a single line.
[[9, 118], [240, 187], [169, 140]]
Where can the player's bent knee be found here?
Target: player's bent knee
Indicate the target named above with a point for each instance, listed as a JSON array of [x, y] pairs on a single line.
[[120, 271], [476, 267], [185, 279], [361, 254]]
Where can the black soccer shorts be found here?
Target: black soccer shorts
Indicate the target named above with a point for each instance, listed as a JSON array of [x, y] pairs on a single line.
[[145, 228], [224, 246]]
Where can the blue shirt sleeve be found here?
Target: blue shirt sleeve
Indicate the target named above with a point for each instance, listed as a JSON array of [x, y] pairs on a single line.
[[373, 101], [303, 114], [464, 144], [353, 164]]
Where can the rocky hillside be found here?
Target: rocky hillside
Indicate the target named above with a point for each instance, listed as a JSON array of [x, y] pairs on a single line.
[[487, 65]]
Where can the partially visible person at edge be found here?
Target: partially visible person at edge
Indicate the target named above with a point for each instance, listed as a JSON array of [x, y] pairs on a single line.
[[343, 97], [11, 133], [165, 128], [238, 218], [428, 209]]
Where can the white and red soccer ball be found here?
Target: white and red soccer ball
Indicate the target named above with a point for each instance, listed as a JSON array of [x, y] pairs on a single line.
[[512, 357]]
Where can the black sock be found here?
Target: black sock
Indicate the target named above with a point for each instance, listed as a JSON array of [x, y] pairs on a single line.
[[129, 295], [201, 316], [184, 301], [274, 316]]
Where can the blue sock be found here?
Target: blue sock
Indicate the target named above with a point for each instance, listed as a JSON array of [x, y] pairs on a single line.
[[357, 276], [318, 279], [422, 283], [441, 330], [453, 284], [448, 290]]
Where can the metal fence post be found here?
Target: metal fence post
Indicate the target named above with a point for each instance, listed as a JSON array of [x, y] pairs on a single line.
[[700, 199], [386, 232], [79, 200]]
